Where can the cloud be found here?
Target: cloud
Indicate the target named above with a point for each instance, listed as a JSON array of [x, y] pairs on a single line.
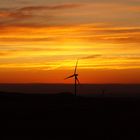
[[82, 32], [125, 39], [110, 34], [7, 53], [37, 15], [15, 51], [28, 11], [16, 39], [92, 56], [49, 7], [15, 14], [3, 54], [119, 30]]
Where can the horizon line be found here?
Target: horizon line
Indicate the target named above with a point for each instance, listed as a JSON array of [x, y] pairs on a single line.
[[72, 83]]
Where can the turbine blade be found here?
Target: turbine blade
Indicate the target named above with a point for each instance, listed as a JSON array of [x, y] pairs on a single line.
[[70, 76], [77, 80], [76, 67]]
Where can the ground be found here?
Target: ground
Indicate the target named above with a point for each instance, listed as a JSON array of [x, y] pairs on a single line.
[[101, 114]]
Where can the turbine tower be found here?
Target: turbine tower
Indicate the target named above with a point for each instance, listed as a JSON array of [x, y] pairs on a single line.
[[75, 75]]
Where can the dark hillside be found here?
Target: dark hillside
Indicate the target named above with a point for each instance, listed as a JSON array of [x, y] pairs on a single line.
[[66, 110]]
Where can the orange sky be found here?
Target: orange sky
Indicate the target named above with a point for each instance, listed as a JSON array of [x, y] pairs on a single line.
[[40, 41]]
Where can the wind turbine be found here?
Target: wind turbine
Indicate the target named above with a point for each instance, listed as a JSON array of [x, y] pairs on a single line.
[[75, 75]]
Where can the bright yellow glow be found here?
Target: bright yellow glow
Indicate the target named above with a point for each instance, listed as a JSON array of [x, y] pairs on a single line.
[[25, 47]]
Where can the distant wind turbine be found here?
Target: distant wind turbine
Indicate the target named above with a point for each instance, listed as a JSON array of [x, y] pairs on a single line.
[[75, 75]]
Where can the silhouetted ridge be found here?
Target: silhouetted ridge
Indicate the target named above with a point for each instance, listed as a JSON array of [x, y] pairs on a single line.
[[64, 110]]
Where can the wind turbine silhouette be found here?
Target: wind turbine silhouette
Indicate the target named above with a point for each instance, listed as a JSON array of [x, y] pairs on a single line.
[[75, 75]]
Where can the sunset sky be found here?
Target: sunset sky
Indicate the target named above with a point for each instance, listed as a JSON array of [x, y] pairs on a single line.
[[40, 41]]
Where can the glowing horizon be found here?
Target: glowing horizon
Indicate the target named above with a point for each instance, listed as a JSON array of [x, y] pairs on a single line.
[[42, 40]]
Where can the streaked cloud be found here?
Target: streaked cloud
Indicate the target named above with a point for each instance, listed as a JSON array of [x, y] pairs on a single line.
[[26, 12], [26, 39], [92, 56], [49, 7], [85, 32], [4, 54]]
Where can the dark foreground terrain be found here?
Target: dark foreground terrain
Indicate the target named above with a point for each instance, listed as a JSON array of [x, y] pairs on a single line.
[[100, 114]]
